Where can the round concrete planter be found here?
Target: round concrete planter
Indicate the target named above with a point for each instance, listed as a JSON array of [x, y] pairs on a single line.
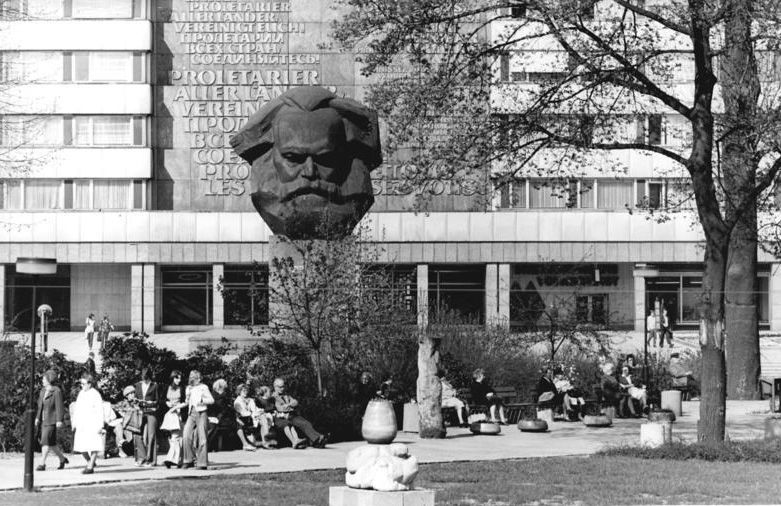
[[663, 415], [597, 421], [488, 428], [535, 425]]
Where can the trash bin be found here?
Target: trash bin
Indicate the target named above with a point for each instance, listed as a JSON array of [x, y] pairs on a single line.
[[671, 399]]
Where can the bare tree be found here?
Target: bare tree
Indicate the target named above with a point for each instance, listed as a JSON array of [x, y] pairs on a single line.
[[606, 73]]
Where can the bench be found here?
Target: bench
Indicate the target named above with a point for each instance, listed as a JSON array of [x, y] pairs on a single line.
[[514, 409]]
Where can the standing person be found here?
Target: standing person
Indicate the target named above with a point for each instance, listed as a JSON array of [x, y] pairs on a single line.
[[89, 329], [131, 427], [88, 422], [172, 422], [104, 329], [666, 330], [287, 407], [149, 400], [650, 324], [49, 418], [484, 394], [198, 398]]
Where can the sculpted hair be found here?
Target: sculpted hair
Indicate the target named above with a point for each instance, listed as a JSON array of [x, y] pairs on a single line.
[[361, 125]]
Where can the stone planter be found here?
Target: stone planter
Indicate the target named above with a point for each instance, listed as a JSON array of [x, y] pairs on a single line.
[[655, 434], [597, 421], [772, 428], [489, 428], [379, 422], [663, 415], [535, 425]]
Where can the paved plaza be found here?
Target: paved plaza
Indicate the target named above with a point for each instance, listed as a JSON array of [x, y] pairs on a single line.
[[745, 420]]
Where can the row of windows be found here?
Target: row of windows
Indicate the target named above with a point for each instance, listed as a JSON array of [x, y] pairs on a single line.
[[47, 194], [74, 9], [594, 194], [83, 130], [74, 66]]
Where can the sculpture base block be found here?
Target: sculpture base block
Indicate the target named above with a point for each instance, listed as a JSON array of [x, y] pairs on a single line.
[[346, 496]]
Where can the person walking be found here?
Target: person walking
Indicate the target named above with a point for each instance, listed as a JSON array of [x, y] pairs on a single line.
[[666, 331], [49, 417], [149, 401], [88, 422], [172, 421], [198, 398], [650, 325], [89, 329], [104, 329]]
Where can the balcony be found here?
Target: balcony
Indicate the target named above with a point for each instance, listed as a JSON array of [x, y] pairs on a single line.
[[85, 162], [76, 35], [90, 98]]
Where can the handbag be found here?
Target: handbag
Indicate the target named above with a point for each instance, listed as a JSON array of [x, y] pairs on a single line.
[[134, 420], [171, 421]]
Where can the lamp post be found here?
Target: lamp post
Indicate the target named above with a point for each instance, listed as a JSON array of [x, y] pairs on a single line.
[[44, 310], [34, 267]]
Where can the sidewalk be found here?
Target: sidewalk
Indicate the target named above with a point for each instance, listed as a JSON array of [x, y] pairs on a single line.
[[745, 420]]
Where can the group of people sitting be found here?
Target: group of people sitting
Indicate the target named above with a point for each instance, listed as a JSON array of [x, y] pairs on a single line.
[[195, 418], [555, 392], [624, 392]]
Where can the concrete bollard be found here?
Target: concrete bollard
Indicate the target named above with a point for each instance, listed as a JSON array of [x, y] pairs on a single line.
[[671, 399], [655, 434]]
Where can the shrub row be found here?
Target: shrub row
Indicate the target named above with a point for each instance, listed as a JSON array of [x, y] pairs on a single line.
[[730, 451]]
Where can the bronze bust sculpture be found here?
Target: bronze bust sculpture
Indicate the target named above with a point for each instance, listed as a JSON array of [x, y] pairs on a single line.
[[311, 154]]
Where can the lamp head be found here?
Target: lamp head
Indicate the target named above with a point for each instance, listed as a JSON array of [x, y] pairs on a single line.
[[31, 265]]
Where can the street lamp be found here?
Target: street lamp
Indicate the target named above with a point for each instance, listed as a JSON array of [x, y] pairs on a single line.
[[44, 310], [34, 267]]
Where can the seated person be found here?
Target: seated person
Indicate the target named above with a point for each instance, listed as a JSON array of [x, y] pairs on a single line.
[[247, 426], [286, 416], [626, 383], [546, 394], [681, 376], [483, 394], [130, 426], [367, 390], [611, 391], [265, 417], [450, 400], [572, 401], [222, 419]]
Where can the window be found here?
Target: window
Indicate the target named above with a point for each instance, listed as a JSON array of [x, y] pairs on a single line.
[[552, 195], [513, 195], [41, 194], [504, 67], [245, 295], [655, 129], [591, 308], [458, 290], [102, 9], [102, 66], [187, 295], [614, 194], [29, 131], [54, 289], [650, 194], [518, 11], [104, 131], [111, 194], [32, 66]]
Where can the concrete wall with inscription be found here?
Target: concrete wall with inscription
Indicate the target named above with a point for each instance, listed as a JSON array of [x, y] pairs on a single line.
[[217, 62]]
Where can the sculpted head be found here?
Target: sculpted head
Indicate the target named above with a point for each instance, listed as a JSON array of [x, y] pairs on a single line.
[[311, 154]]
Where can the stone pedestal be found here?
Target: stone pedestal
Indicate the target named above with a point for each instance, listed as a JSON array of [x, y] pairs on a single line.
[[654, 434], [671, 399], [346, 496], [772, 428], [410, 421]]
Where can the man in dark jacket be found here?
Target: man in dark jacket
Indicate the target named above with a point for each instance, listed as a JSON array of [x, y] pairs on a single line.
[[148, 397]]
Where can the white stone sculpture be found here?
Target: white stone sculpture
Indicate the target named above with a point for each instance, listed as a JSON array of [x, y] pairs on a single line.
[[386, 468]]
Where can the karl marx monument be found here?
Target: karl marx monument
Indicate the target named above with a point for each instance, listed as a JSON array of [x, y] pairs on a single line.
[[311, 154]]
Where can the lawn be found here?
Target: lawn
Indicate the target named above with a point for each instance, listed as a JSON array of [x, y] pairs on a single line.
[[582, 480]]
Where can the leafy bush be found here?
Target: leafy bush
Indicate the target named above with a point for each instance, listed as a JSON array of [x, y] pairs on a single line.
[[14, 391], [123, 357], [732, 451]]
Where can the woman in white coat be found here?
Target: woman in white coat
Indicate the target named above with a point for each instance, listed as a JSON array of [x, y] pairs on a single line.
[[88, 422]]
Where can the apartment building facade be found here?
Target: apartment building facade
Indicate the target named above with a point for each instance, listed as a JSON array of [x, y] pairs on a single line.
[[122, 110]]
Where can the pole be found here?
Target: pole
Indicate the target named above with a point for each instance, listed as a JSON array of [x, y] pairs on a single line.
[[30, 432], [645, 345]]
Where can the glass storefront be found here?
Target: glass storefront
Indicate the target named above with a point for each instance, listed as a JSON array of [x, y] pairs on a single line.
[[245, 295], [457, 289], [187, 295], [52, 290]]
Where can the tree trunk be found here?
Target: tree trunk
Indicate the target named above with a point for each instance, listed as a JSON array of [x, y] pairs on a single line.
[[429, 388], [713, 379], [742, 326], [741, 88]]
